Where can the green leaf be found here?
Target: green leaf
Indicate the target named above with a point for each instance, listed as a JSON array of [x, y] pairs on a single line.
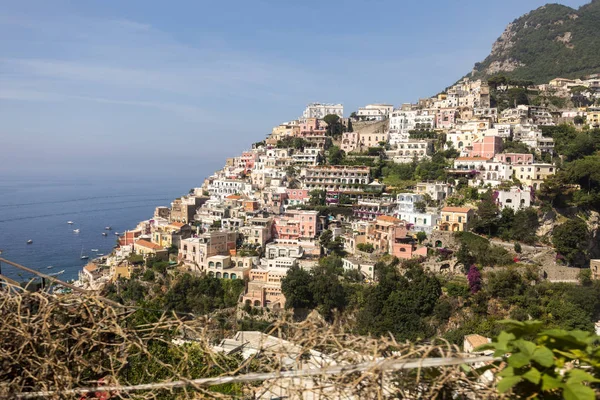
[[543, 356], [533, 376], [525, 346], [518, 360], [508, 371], [576, 391], [503, 339], [506, 383], [578, 376], [550, 383]]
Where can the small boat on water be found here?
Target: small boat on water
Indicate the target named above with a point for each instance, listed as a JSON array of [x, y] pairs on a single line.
[[62, 271], [50, 267], [94, 249], [82, 256], [104, 234], [100, 254], [108, 228], [29, 241], [70, 222], [75, 230], [117, 233]]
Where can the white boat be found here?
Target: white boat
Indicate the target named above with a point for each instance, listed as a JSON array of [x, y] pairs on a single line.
[[62, 271], [104, 234], [49, 267], [108, 228], [82, 256], [100, 254], [29, 241], [94, 249], [117, 233], [75, 230], [70, 222]]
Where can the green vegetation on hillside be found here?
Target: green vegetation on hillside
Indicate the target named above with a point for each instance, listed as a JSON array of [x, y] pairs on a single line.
[[540, 54]]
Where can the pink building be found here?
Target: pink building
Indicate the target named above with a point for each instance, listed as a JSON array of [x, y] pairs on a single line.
[[296, 224], [313, 127], [514, 158], [248, 159], [487, 147], [297, 196], [445, 118]]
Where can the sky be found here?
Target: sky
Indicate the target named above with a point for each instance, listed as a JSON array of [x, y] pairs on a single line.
[[161, 89]]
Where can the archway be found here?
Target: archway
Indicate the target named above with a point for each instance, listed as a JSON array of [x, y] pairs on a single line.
[[256, 303], [438, 243], [233, 276], [225, 275], [218, 275]]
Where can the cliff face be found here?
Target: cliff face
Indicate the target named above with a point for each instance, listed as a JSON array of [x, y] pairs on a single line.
[[552, 41]]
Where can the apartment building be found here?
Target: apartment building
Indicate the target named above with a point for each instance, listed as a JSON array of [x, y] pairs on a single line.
[[336, 177], [456, 219], [194, 252]]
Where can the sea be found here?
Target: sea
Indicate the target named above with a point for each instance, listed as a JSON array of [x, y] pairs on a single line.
[[38, 209]]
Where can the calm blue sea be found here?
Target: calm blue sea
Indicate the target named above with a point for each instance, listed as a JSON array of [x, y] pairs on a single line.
[[38, 209]]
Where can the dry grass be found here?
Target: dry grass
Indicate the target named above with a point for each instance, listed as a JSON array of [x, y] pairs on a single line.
[[59, 345]]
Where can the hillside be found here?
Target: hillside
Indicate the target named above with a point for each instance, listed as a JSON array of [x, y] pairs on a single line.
[[551, 41]]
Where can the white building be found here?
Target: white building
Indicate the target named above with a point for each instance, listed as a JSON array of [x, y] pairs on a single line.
[[408, 151], [375, 112], [320, 110], [515, 198], [421, 221], [221, 188], [365, 266], [404, 121], [438, 191]]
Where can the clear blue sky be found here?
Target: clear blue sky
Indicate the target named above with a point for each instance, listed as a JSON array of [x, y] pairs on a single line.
[[106, 86]]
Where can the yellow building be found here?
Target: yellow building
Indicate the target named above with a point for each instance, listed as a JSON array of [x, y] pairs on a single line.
[[120, 271], [455, 219], [149, 249], [534, 174], [168, 235]]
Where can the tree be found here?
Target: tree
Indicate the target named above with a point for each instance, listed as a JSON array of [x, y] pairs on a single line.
[[585, 277], [366, 247], [518, 247], [350, 128], [474, 278], [420, 206], [334, 126], [317, 197], [487, 215], [421, 236], [579, 120], [325, 238], [464, 257], [327, 290], [296, 287], [335, 155], [525, 225], [570, 240]]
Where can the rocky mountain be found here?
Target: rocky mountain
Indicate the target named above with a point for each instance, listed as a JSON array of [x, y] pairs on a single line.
[[551, 41]]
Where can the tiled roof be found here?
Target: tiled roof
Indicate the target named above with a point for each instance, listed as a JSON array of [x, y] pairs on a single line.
[[91, 267], [233, 197], [387, 218], [177, 224], [148, 245], [476, 340], [456, 209]]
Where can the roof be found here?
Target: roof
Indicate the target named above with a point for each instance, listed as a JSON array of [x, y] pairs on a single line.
[[476, 340], [177, 224], [456, 209], [472, 159], [148, 245], [233, 197], [91, 267], [387, 218]]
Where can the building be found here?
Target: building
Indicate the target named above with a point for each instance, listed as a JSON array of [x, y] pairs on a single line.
[[471, 342], [595, 268], [313, 127], [437, 191], [374, 112], [411, 150], [515, 198], [171, 234], [418, 220], [514, 158], [365, 265], [336, 177], [456, 219], [228, 267], [349, 141], [382, 232], [194, 252], [257, 230], [320, 110], [369, 209], [534, 174], [264, 288], [487, 147], [184, 208], [149, 249]]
